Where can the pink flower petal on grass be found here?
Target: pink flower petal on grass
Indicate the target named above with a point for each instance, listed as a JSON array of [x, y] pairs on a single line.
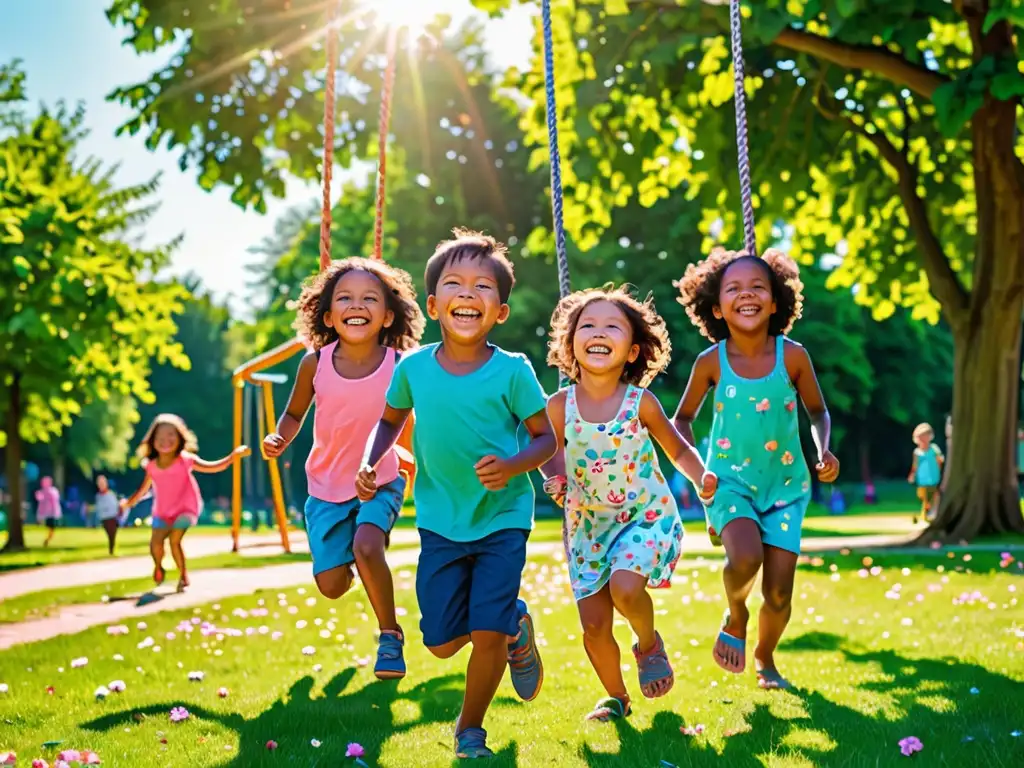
[[70, 756], [355, 750], [8, 758], [40, 763], [223, 692], [910, 745], [271, 745], [179, 714], [90, 758]]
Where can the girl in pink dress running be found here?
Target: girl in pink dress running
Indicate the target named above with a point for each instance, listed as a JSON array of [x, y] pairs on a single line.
[[169, 460]]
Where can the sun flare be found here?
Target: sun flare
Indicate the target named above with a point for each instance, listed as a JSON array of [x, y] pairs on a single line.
[[413, 15]]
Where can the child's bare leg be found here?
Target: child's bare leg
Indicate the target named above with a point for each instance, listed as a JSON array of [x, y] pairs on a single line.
[[487, 665], [597, 615], [373, 570], [334, 582], [629, 595], [177, 534], [744, 555], [777, 588], [156, 550]]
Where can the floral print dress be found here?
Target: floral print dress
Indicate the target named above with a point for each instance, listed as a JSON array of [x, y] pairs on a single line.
[[755, 452], [620, 512]]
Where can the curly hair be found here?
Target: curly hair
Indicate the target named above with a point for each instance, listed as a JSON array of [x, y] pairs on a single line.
[[399, 295], [701, 284], [468, 245], [647, 326], [186, 437]]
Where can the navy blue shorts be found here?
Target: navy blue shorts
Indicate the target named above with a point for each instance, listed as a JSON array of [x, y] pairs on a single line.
[[469, 586]]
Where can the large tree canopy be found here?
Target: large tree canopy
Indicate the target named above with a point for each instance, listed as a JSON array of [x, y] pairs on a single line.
[[880, 131], [81, 316]]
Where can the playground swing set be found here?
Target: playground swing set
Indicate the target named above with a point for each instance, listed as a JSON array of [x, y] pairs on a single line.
[[254, 372]]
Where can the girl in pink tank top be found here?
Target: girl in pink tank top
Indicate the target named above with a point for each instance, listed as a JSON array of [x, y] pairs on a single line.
[[169, 461], [357, 316]]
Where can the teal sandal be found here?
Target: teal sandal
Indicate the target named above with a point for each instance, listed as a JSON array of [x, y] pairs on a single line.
[[471, 744], [610, 708], [734, 643], [654, 670]]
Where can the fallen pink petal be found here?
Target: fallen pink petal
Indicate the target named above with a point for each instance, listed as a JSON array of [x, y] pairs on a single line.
[[355, 750], [40, 763], [178, 714], [910, 745], [271, 745], [70, 756], [8, 758]]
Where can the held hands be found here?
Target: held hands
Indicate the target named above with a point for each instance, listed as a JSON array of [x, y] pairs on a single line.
[[274, 445], [708, 487], [493, 472], [828, 467], [366, 483], [556, 487]]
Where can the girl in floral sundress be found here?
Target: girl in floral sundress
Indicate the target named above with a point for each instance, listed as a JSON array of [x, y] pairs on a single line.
[[624, 532], [747, 305]]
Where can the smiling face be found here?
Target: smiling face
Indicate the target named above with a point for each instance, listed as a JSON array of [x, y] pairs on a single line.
[[745, 299], [359, 308], [166, 440], [101, 484], [467, 302], [923, 439], [603, 341]]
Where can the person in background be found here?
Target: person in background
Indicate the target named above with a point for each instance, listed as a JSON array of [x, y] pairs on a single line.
[[926, 470], [107, 510], [48, 511]]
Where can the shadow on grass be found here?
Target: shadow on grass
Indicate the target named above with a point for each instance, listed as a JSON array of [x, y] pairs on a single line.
[[335, 718], [931, 699]]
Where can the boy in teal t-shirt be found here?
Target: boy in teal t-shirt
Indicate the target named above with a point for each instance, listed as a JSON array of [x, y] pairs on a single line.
[[474, 500]]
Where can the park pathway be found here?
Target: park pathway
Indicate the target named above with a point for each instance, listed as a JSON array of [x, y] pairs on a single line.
[[213, 584]]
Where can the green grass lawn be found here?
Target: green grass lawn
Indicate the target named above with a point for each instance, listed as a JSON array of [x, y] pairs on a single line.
[[931, 647]]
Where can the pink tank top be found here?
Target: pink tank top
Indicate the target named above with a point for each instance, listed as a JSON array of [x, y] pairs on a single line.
[[346, 415], [175, 490]]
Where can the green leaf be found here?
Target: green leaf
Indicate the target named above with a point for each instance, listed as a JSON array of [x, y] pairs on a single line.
[[22, 267], [1007, 86], [955, 105], [1007, 12], [616, 7]]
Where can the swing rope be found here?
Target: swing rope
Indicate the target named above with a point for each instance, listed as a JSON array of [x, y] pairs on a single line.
[[387, 89], [382, 147], [330, 87], [555, 156], [742, 146]]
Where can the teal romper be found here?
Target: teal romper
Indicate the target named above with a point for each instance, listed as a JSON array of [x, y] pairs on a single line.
[[755, 452]]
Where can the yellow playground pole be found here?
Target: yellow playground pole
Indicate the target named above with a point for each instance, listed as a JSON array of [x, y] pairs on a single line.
[[236, 470], [266, 381]]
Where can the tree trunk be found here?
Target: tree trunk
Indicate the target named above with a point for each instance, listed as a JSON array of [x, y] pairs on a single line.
[[15, 531], [982, 497]]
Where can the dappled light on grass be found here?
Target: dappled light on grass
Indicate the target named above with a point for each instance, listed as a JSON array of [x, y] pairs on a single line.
[[871, 671]]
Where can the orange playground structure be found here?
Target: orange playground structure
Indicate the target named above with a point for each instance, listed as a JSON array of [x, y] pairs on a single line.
[[252, 373]]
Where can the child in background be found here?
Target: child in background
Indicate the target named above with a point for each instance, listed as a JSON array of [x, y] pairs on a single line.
[[108, 510], [624, 530], [169, 460], [48, 511], [358, 316], [474, 500], [926, 470], [746, 305]]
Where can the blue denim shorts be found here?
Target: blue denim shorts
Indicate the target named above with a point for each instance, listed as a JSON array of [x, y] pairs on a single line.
[[331, 527], [469, 586]]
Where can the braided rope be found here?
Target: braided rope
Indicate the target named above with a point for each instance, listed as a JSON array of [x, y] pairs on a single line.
[[328, 168], [564, 287], [382, 149], [742, 146]]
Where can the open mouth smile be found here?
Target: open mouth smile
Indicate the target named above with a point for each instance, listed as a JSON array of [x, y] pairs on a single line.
[[465, 313], [356, 321], [748, 310], [599, 349]]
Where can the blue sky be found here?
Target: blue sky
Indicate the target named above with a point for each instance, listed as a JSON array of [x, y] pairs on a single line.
[[71, 52]]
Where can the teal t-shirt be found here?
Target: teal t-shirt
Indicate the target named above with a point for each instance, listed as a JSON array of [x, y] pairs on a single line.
[[459, 420]]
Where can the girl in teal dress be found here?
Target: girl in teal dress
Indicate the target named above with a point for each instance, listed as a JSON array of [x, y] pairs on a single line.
[[746, 305], [624, 534]]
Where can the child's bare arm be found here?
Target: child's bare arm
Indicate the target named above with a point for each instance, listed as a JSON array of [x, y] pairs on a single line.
[[295, 412], [213, 467], [679, 450], [555, 466], [798, 363], [703, 376], [132, 500], [913, 470], [495, 472]]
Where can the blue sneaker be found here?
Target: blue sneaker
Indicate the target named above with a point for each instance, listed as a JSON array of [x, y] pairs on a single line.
[[471, 744], [390, 662], [524, 662]]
